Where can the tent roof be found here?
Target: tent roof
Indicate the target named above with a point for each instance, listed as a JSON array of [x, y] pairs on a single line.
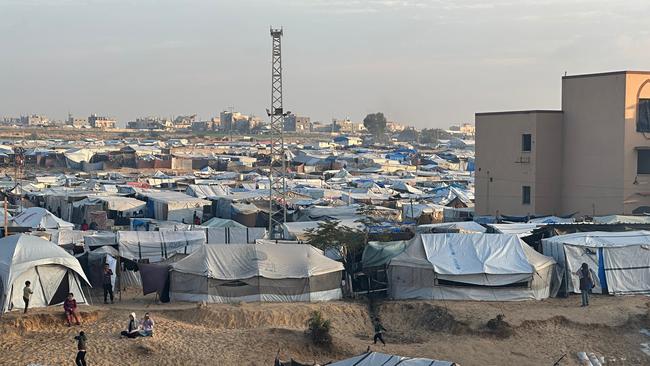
[[603, 238], [219, 222], [21, 252], [40, 218], [240, 261], [462, 254], [622, 219], [377, 358], [462, 226]]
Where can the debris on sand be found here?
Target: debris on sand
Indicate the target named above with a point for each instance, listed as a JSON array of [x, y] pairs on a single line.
[[499, 327]]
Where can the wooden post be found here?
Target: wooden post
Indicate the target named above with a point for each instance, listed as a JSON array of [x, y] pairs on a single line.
[[6, 219]]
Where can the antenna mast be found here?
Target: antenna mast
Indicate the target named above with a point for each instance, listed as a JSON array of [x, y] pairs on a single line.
[[277, 165]]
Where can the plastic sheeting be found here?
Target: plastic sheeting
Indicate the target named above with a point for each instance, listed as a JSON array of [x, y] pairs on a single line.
[[40, 218], [238, 235], [158, 245], [377, 358], [29, 258], [622, 258], [497, 267]]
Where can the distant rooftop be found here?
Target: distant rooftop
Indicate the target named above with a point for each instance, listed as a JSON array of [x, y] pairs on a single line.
[[606, 74], [519, 112]]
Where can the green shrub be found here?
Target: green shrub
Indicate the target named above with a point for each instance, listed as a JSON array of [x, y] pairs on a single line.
[[319, 329]]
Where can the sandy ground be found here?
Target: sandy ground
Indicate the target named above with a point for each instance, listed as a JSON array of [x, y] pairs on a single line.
[[250, 334]]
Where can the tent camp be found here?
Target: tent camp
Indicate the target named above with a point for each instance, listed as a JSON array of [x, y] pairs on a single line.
[[490, 267], [51, 270], [156, 246], [256, 272], [620, 259], [40, 218], [377, 358]]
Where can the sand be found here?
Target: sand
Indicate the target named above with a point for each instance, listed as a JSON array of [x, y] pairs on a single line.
[[251, 334]]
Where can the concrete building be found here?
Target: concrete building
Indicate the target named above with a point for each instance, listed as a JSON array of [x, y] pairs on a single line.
[[150, 123], [77, 122], [34, 120], [100, 122], [294, 123], [590, 158]]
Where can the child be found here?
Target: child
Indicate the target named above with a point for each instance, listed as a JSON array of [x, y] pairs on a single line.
[[70, 308], [147, 326], [81, 349], [379, 329], [27, 295]]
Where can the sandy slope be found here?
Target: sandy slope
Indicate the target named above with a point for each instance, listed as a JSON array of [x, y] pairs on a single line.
[[250, 334]]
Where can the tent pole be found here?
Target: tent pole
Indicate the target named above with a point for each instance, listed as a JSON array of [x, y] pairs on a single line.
[[6, 233], [119, 277]]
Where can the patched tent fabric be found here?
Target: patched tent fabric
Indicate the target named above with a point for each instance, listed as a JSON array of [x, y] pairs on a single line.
[[621, 260], [488, 267], [377, 358], [256, 272], [156, 246], [51, 270]]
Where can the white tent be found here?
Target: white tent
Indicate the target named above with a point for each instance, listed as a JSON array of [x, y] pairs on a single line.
[[377, 358], [158, 245], [620, 259], [461, 226], [256, 272], [298, 230], [51, 270], [40, 218], [519, 229], [490, 267]]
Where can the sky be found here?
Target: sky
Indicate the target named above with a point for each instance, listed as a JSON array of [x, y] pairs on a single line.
[[423, 63]]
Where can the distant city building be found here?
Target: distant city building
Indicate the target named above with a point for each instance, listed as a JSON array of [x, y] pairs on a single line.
[[76, 122], [100, 122], [466, 129], [293, 123], [11, 121], [34, 120], [184, 122], [347, 126], [392, 126], [204, 126], [150, 123]]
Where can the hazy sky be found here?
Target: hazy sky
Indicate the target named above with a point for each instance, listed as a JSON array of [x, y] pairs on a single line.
[[429, 63]]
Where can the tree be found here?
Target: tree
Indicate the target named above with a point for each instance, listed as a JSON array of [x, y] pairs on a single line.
[[375, 123], [432, 135], [409, 135], [331, 235]]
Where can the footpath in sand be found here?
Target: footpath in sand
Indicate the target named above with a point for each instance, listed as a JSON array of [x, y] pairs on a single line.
[[537, 333]]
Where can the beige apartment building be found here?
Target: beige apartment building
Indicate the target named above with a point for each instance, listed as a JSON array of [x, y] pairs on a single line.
[[592, 157]]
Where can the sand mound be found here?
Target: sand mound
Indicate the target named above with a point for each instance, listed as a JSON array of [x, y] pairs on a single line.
[[35, 322], [499, 327], [409, 317]]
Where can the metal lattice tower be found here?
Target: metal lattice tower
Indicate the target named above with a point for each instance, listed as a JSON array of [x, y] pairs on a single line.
[[278, 166]]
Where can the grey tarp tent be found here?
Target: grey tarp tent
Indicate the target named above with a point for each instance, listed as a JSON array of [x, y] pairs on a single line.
[[256, 272], [488, 267]]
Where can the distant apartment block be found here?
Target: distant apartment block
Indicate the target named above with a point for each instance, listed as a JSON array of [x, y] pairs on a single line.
[[100, 122], [293, 123], [76, 122], [347, 126], [592, 157], [392, 126], [149, 123], [34, 120]]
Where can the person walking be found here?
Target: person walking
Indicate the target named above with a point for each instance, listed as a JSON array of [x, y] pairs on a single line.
[[108, 283], [586, 283], [27, 294], [81, 349], [379, 330]]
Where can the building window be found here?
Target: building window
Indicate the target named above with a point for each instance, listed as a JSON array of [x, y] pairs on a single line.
[[643, 161], [525, 195], [643, 116], [526, 142]]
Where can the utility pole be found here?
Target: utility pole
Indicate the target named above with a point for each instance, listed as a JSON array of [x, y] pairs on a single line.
[[278, 164]]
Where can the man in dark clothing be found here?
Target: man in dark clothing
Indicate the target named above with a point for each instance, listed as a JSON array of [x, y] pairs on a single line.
[[81, 349], [586, 283], [108, 284], [379, 329]]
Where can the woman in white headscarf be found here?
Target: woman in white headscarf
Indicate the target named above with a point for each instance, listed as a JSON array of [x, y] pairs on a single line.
[[132, 328]]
